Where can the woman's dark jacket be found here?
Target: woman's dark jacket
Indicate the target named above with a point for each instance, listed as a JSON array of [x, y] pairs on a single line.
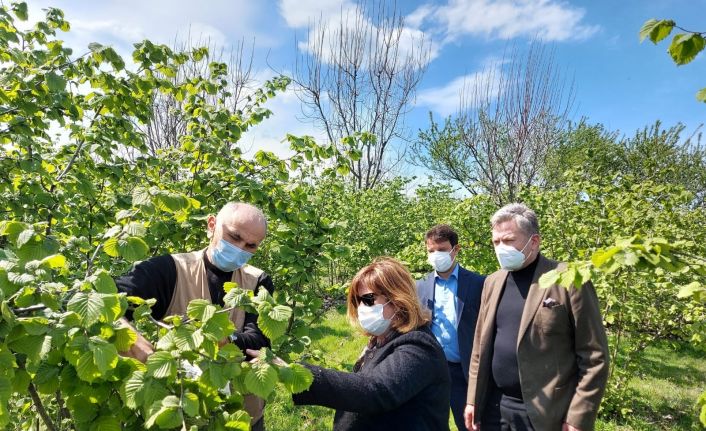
[[402, 385]]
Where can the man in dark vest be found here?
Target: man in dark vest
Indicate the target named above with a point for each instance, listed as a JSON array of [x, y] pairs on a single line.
[[452, 294], [174, 280]]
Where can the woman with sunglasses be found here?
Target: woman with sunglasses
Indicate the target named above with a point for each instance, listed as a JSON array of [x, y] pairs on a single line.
[[401, 381]]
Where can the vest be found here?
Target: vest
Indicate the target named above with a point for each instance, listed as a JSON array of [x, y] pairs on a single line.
[[192, 283]]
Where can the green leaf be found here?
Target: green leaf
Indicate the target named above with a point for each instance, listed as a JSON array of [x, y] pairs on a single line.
[[685, 47], [88, 305], [238, 421], [161, 365], [190, 404], [47, 378], [701, 95], [26, 236], [656, 30], [34, 325], [261, 379], [21, 381], [86, 367], [20, 10], [105, 355], [131, 391], [125, 337], [187, 338], [135, 229], [110, 247], [105, 422], [35, 347], [600, 257], [103, 282], [133, 248], [141, 196], [171, 202], [218, 327], [165, 413], [273, 322], [94, 46], [690, 290], [200, 309], [54, 82], [55, 261], [296, 378]]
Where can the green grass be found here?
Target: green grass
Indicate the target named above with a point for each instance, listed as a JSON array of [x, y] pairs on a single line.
[[669, 380]]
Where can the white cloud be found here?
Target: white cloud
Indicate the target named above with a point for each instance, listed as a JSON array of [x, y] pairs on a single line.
[[302, 13], [446, 99], [349, 19], [549, 20], [122, 23]]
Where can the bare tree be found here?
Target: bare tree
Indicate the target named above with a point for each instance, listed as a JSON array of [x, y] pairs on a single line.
[[508, 120], [167, 125], [358, 77]]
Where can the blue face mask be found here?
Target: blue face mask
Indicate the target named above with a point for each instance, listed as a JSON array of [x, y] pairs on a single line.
[[228, 257]]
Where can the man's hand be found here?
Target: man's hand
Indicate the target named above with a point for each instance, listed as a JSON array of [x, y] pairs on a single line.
[[141, 349], [469, 417], [568, 427]]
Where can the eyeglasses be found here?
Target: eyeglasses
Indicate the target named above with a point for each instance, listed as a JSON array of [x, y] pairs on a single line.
[[367, 299]]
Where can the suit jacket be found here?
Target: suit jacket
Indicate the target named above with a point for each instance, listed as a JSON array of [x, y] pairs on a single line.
[[562, 352], [402, 385], [470, 286]]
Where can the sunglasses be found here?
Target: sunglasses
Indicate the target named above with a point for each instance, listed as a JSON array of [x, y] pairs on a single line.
[[367, 299]]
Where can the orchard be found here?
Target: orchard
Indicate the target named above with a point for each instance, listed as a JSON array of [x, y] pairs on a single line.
[[83, 197]]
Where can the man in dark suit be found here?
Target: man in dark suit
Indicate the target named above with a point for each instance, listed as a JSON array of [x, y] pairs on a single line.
[[540, 356], [452, 294]]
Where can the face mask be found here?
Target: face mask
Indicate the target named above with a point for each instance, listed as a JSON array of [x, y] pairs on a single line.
[[372, 320], [511, 258], [440, 260], [228, 257]]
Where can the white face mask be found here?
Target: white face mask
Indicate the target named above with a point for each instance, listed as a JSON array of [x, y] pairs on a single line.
[[372, 319], [441, 261], [509, 257]]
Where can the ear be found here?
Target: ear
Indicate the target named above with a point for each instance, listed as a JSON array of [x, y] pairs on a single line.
[[536, 241], [210, 225]]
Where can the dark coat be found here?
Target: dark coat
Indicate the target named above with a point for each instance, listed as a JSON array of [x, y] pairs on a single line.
[[470, 287], [403, 385]]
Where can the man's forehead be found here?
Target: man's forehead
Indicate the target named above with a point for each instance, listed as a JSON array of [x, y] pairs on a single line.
[[505, 229]]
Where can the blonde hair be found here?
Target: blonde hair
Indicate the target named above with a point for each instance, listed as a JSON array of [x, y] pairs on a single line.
[[388, 277]]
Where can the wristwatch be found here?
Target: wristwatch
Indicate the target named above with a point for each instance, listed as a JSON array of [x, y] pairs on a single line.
[[232, 337]]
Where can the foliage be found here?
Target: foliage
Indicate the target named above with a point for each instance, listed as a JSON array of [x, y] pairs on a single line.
[[656, 153], [82, 192], [685, 46]]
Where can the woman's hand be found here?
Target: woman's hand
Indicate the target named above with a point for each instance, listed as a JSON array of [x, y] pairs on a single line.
[[255, 354]]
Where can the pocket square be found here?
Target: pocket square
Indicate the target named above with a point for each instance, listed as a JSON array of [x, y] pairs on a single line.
[[549, 303]]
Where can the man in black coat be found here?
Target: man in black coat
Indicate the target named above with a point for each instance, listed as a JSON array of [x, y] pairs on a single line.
[[452, 294]]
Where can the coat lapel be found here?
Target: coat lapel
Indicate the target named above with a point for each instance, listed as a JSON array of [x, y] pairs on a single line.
[[461, 292], [534, 298], [496, 290]]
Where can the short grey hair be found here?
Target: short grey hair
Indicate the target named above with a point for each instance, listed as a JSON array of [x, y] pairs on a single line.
[[525, 218]]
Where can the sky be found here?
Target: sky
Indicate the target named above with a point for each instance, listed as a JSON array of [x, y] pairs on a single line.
[[617, 81]]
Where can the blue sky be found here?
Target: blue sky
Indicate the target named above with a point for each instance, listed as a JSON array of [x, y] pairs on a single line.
[[618, 82]]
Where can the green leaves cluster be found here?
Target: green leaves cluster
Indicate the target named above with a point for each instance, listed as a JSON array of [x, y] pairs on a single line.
[[96, 197], [685, 46]]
